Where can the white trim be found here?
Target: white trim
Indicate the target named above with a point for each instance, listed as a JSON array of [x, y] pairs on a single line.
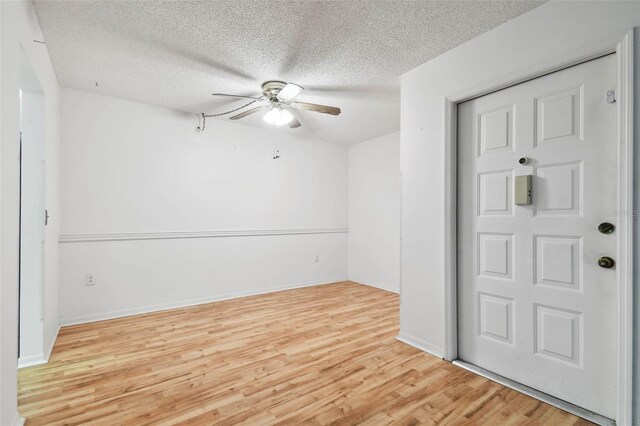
[[31, 360], [450, 229], [624, 92], [50, 344], [420, 344], [622, 45], [377, 285], [400, 241], [134, 236], [19, 421], [549, 399], [42, 358], [82, 319]]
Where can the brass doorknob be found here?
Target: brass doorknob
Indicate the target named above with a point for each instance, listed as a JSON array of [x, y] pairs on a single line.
[[606, 228], [606, 262]]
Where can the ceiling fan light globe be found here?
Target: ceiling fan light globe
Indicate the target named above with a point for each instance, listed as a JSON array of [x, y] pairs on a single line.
[[285, 117], [278, 116]]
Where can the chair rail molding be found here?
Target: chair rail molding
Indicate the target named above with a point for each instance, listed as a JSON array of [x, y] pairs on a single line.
[[172, 235]]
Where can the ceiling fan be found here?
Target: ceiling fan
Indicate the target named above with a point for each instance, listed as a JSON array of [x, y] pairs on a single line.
[[276, 99]]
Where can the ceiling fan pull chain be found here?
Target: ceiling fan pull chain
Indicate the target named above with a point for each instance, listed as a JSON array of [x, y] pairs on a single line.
[[233, 110], [205, 116]]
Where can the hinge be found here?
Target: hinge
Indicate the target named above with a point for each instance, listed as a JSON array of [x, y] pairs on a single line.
[[611, 96]]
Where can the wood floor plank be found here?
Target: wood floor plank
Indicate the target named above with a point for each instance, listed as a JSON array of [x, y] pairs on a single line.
[[323, 355]]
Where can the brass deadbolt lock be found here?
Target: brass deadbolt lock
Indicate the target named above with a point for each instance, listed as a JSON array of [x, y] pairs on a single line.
[[606, 262]]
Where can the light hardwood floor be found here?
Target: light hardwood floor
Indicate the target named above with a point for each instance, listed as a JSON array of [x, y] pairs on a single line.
[[318, 355]]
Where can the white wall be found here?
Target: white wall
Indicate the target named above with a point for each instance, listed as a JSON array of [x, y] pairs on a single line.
[[134, 168], [535, 37], [18, 29], [374, 212], [32, 229]]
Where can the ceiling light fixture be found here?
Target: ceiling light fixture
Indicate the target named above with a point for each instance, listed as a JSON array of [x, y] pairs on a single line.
[[277, 115], [277, 100]]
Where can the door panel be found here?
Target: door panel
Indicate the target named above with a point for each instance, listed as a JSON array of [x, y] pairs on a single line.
[[533, 304]]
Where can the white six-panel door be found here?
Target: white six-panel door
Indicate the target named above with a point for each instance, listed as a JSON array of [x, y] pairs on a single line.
[[533, 304]]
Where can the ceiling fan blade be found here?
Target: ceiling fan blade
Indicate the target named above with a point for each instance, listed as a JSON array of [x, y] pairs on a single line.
[[247, 112], [317, 108], [289, 92], [236, 96]]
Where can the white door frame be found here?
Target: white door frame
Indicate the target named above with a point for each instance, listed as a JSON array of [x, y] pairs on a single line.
[[622, 45]]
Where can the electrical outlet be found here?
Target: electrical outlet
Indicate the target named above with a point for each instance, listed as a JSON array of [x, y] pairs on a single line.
[[89, 279], [317, 258]]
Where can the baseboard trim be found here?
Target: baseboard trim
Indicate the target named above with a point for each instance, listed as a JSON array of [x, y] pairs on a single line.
[[51, 343], [375, 285], [19, 421], [421, 344], [83, 319], [42, 358], [137, 236], [31, 360], [534, 393]]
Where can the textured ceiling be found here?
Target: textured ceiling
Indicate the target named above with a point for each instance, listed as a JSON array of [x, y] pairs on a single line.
[[348, 54]]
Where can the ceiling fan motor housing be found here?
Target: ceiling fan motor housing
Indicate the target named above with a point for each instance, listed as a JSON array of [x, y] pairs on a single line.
[[270, 89]]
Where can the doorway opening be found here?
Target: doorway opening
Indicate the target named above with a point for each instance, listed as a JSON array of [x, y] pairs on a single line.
[[622, 46], [534, 304]]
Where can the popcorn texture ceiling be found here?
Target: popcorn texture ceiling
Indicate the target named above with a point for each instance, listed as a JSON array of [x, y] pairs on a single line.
[[348, 54]]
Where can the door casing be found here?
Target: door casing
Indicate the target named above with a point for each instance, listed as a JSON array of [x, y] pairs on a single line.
[[622, 45]]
